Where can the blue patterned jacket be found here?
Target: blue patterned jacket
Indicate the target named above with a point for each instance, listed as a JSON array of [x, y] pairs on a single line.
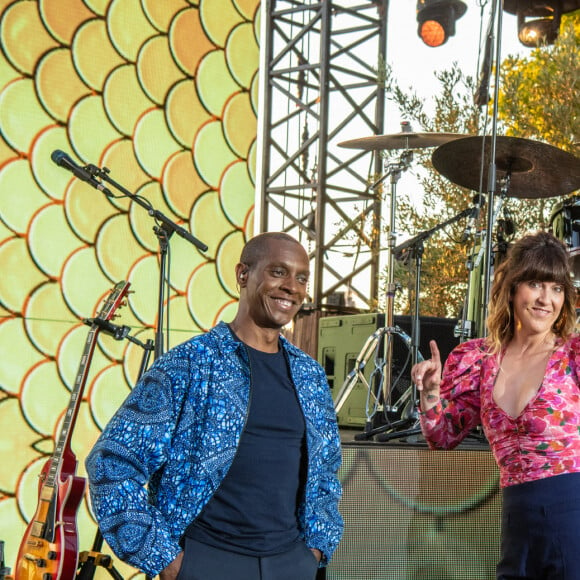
[[179, 429]]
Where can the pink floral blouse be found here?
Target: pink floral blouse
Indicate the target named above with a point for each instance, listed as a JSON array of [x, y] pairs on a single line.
[[543, 440]]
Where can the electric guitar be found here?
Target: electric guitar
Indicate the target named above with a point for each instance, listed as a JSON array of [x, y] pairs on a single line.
[[49, 548]]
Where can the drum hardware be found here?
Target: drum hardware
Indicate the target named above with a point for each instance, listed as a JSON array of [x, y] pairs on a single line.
[[394, 170], [534, 169], [565, 225], [407, 403], [406, 140], [414, 248], [376, 348], [403, 140], [522, 168], [473, 315]]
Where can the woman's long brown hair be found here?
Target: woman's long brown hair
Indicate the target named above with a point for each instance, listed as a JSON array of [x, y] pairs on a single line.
[[542, 257]]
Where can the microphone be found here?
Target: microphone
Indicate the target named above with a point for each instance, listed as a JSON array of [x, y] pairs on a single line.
[[63, 160], [481, 97], [473, 216]]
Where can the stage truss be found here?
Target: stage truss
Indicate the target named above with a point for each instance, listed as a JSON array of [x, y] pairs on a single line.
[[323, 66]]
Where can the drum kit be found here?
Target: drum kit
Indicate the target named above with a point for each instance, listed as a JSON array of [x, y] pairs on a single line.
[[522, 168]]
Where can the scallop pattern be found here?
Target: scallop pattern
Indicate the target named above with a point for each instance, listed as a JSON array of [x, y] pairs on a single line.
[[160, 97]]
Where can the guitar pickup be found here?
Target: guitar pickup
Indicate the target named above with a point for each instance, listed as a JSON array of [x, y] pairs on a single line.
[[47, 493], [37, 529]]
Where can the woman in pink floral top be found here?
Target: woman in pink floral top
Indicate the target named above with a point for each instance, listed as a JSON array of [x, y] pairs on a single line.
[[521, 383]]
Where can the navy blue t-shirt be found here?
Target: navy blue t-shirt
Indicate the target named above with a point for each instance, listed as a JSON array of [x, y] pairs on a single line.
[[254, 511]]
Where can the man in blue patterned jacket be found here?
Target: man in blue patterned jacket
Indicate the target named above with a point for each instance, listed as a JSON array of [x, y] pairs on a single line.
[[222, 462]]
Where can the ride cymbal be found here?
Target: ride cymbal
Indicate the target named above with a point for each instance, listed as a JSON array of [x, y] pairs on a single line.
[[535, 169], [402, 140]]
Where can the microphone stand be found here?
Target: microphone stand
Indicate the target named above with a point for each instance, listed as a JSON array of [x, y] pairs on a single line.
[[163, 229], [89, 560], [492, 170], [412, 248]]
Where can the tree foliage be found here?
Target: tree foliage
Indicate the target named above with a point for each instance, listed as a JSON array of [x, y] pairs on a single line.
[[538, 100], [539, 95]]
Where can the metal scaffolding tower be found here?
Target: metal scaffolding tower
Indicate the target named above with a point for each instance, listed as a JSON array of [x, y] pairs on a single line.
[[323, 66]]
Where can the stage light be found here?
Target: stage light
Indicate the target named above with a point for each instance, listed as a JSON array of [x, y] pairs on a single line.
[[539, 20], [538, 32], [436, 19]]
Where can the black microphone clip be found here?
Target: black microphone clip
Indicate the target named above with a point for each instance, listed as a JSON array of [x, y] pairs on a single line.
[[116, 331], [63, 160], [472, 215]]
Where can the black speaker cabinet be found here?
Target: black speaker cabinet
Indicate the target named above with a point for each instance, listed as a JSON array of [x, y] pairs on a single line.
[[341, 338]]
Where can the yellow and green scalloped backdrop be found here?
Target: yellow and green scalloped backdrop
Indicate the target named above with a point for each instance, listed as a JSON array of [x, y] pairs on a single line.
[[163, 93]]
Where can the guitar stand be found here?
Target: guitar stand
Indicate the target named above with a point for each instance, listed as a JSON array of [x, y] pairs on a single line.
[[88, 561]]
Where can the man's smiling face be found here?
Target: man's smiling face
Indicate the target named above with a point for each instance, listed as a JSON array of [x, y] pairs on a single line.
[[275, 287]]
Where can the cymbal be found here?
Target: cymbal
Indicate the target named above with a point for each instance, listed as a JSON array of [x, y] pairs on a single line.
[[402, 140], [535, 169]]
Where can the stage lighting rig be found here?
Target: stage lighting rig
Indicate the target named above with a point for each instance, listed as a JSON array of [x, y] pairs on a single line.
[[539, 20], [436, 19]]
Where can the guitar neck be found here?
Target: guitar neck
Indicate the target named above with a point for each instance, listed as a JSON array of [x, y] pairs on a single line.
[[63, 443]]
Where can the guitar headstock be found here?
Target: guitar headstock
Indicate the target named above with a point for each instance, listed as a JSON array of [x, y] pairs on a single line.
[[114, 300]]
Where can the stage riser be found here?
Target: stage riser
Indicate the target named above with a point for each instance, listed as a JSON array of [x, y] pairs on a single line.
[[415, 514]]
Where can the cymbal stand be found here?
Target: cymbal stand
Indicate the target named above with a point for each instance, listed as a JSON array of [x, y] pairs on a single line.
[[414, 248], [394, 171], [382, 364], [492, 168], [411, 248]]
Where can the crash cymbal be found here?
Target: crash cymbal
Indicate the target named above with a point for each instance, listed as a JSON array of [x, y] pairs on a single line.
[[402, 140], [535, 169]]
